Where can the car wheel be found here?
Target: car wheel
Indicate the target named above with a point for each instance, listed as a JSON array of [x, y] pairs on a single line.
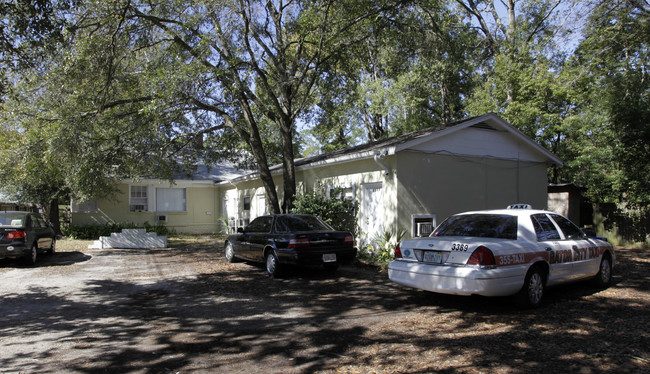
[[31, 258], [52, 248], [532, 293], [230, 253], [604, 277], [273, 267]]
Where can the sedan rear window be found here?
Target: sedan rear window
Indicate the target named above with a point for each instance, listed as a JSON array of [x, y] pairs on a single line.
[[499, 226], [300, 223], [12, 219]]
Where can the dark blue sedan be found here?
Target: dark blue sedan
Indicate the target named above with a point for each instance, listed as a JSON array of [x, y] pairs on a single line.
[[290, 239]]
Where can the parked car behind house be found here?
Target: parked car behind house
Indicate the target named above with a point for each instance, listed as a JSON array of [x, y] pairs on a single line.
[[518, 251], [290, 239], [25, 235]]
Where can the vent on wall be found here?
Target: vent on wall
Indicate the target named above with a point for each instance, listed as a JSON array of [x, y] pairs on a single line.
[[161, 218], [484, 126]]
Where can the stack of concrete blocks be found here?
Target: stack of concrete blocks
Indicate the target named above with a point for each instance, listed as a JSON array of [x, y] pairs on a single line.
[[130, 238]]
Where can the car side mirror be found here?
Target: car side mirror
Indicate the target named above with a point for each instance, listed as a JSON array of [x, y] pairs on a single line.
[[240, 230]]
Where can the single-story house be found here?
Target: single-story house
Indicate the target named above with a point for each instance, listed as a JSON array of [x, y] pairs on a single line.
[[189, 204], [7, 203], [406, 183]]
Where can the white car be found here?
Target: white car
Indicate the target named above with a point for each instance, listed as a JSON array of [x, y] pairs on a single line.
[[516, 251]]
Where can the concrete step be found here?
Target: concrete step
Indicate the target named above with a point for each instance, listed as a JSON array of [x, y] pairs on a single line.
[[130, 238]]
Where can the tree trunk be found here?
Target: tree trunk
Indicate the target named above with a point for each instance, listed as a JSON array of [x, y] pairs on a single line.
[[53, 215], [255, 142], [288, 168]]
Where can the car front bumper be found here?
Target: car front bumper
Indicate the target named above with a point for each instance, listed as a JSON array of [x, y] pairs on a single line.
[[457, 280]]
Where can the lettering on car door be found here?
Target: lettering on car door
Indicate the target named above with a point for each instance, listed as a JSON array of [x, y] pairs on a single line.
[[560, 258]]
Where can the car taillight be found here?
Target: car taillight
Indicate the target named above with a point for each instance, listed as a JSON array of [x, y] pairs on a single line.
[[16, 235], [398, 252], [348, 240], [482, 256], [298, 242]]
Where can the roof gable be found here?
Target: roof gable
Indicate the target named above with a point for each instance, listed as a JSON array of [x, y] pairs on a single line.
[[503, 141], [494, 128], [491, 137]]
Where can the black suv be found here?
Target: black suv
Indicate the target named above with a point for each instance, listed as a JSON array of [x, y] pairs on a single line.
[[25, 235]]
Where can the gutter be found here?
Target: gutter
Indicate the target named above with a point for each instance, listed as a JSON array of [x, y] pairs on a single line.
[[378, 156]]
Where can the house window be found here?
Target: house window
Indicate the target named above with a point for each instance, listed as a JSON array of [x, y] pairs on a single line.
[[247, 203], [341, 192], [170, 200], [139, 201]]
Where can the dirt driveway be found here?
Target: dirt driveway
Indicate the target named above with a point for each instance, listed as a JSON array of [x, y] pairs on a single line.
[[185, 310]]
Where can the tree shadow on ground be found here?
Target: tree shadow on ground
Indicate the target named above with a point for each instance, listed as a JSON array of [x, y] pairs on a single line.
[[45, 260], [236, 319]]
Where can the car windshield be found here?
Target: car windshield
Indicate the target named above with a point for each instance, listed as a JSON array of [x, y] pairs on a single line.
[[300, 223], [12, 219], [500, 226]]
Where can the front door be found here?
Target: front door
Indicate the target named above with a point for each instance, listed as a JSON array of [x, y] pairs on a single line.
[[372, 210]]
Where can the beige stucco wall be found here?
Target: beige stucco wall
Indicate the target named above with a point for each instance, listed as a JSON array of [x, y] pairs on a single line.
[[202, 213], [422, 183], [445, 184], [357, 174]]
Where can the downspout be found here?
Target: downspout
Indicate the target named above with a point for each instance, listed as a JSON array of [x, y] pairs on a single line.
[[378, 156]]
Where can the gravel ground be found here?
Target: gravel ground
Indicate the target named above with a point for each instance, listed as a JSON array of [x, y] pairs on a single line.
[[185, 310]]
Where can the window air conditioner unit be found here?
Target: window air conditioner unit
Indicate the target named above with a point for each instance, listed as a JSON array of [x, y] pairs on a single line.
[[424, 228], [161, 218]]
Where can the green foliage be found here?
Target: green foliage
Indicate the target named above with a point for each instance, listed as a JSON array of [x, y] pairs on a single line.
[[336, 212], [93, 232], [611, 86], [380, 250], [411, 71]]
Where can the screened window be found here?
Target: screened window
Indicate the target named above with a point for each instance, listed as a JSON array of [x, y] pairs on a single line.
[[247, 203], [139, 201], [170, 200], [544, 228]]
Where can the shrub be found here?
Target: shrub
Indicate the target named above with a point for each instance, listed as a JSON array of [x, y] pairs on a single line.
[[379, 251], [338, 213]]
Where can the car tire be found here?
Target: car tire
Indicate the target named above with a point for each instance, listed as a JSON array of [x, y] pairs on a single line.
[[30, 259], [532, 293], [604, 277], [273, 267], [230, 253], [52, 249]]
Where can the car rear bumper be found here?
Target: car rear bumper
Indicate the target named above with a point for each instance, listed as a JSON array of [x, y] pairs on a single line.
[[13, 251], [457, 280], [315, 256]]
